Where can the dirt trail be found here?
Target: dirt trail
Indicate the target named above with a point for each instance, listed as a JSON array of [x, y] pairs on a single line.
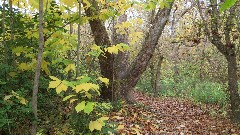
[[170, 117]]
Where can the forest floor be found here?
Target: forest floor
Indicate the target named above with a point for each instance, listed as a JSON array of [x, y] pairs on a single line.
[[170, 116]]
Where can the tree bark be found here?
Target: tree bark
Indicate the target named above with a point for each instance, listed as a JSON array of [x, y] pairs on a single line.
[[227, 49], [233, 87], [4, 40], [12, 56], [38, 69], [106, 60], [157, 83], [79, 39], [138, 66], [121, 59]]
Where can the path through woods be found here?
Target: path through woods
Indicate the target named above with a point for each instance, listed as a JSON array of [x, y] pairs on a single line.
[[170, 117]]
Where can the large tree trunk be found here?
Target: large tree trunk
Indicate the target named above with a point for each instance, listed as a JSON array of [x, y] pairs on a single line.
[[130, 78], [227, 49], [121, 59], [101, 38], [142, 60], [233, 87]]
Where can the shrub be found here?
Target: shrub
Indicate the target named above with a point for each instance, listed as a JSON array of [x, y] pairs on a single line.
[[209, 92]]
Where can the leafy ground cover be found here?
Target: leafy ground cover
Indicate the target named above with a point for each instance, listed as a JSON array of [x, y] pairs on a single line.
[[170, 116]]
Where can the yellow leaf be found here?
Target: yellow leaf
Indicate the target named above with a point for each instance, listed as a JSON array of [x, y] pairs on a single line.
[[54, 84], [112, 49], [67, 97], [44, 67], [45, 30], [91, 126], [61, 41], [104, 118], [72, 100], [95, 125], [54, 78], [88, 95], [24, 66], [87, 4], [22, 100], [104, 80], [12, 74], [68, 3], [70, 67], [120, 127], [7, 97], [86, 87], [61, 88]]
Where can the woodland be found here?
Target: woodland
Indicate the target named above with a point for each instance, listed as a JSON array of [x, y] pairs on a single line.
[[128, 67]]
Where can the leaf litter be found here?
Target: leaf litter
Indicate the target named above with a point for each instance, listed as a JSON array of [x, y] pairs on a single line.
[[169, 116]]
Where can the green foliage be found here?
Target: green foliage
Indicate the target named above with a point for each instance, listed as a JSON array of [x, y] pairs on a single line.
[[187, 85], [209, 92], [227, 4]]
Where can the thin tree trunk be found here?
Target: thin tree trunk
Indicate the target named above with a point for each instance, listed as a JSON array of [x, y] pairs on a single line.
[[38, 69], [12, 33], [201, 72], [4, 40], [157, 83], [153, 76], [79, 39]]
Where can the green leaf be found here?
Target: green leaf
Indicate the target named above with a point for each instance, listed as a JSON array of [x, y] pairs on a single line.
[[89, 107], [227, 4], [67, 97], [84, 79], [80, 106]]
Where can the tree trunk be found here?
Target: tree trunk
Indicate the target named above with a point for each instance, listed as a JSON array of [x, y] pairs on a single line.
[[120, 59], [12, 56], [233, 87], [227, 49], [142, 60], [4, 40], [106, 61], [153, 76], [79, 40], [138, 66], [38, 69], [158, 75]]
